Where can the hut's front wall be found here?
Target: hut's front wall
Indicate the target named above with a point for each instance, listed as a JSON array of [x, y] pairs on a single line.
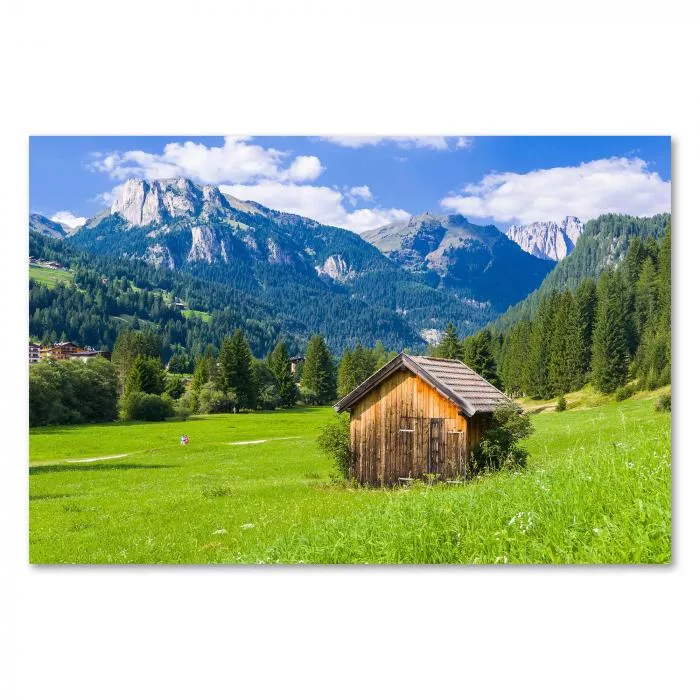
[[404, 428]]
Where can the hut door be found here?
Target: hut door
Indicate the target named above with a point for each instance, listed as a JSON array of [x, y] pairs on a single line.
[[436, 452]]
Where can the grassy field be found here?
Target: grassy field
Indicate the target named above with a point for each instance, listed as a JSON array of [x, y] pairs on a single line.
[[204, 315], [597, 490], [50, 277]]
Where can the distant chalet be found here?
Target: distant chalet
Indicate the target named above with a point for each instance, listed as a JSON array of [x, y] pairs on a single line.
[[417, 415], [64, 351]]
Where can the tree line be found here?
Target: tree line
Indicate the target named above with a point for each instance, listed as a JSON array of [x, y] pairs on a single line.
[[606, 332]]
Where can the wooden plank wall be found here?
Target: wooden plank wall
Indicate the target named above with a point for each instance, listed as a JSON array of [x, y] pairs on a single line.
[[390, 432]]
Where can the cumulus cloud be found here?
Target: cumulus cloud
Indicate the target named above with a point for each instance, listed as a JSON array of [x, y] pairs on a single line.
[[249, 171], [609, 185], [237, 160], [324, 204], [108, 198], [357, 194], [68, 219], [438, 143], [304, 168]]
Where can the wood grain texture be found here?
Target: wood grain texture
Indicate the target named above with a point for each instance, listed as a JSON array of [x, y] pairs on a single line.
[[403, 428]]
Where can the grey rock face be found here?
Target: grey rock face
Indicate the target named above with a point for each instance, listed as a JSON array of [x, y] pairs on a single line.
[[549, 240]]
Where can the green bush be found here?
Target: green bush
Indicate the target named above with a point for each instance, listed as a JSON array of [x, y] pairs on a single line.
[[213, 400], [148, 407], [499, 447], [187, 404], [334, 441], [72, 392], [561, 404], [663, 403], [625, 392]]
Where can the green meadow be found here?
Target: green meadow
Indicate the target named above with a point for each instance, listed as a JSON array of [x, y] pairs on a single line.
[[254, 488], [50, 277]]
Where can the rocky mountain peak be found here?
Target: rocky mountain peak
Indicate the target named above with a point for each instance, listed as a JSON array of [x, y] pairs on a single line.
[[146, 202], [549, 240]]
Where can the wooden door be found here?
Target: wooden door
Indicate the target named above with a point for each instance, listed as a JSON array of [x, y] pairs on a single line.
[[436, 454], [456, 453]]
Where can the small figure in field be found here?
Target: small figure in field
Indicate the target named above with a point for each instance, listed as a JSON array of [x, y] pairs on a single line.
[[184, 439]]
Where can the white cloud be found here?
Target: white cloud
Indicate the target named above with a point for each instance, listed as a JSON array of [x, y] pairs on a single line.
[[360, 193], [237, 160], [304, 168], [68, 218], [366, 219], [438, 143], [324, 204], [623, 185], [249, 171], [465, 142], [108, 198]]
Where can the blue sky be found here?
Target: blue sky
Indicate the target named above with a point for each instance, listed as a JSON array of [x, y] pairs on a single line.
[[363, 182]]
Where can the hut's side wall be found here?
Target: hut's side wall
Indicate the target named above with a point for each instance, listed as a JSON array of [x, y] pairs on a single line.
[[404, 428]]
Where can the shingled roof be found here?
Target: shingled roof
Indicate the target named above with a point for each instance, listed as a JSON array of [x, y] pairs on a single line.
[[451, 378]]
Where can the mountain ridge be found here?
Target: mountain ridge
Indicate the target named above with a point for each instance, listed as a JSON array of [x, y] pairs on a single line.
[[328, 277], [479, 263]]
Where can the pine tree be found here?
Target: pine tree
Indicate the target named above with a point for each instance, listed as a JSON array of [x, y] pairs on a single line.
[[610, 360], [585, 298], [345, 373], [129, 345], [479, 356], [381, 356], [449, 347], [538, 382], [512, 369], [236, 369], [562, 359], [282, 371], [205, 369], [646, 307], [146, 375], [318, 375]]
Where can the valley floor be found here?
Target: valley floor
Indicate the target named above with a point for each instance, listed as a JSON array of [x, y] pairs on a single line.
[[597, 490]]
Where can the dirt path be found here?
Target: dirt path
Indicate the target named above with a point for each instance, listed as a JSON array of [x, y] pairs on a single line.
[[258, 442], [96, 459]]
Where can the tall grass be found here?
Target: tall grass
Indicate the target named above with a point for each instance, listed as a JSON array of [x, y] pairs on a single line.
[[597, 490]]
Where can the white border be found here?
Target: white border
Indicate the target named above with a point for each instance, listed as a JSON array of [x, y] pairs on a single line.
[[361, 67]]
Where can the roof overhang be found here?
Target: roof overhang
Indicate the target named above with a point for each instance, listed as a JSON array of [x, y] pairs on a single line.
[[403, 361]]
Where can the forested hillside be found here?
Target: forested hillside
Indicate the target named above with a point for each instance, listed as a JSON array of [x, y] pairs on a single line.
[[606, 332], [109, 294], [327, 279], [602, 245]]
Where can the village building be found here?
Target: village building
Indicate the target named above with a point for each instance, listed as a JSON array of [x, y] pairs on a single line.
[[417, 415], [34, 353], [65, 351], [59, 351]]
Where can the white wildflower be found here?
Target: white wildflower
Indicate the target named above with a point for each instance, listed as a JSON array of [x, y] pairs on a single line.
[[220, 532], [247, 526]]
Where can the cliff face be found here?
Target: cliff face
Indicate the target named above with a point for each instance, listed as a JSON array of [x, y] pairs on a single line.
[[549, 240]]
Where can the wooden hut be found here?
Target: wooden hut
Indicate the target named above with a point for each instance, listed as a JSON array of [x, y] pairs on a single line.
[[417, 415]]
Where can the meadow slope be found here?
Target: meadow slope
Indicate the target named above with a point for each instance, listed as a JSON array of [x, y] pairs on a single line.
[[597, 490]]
